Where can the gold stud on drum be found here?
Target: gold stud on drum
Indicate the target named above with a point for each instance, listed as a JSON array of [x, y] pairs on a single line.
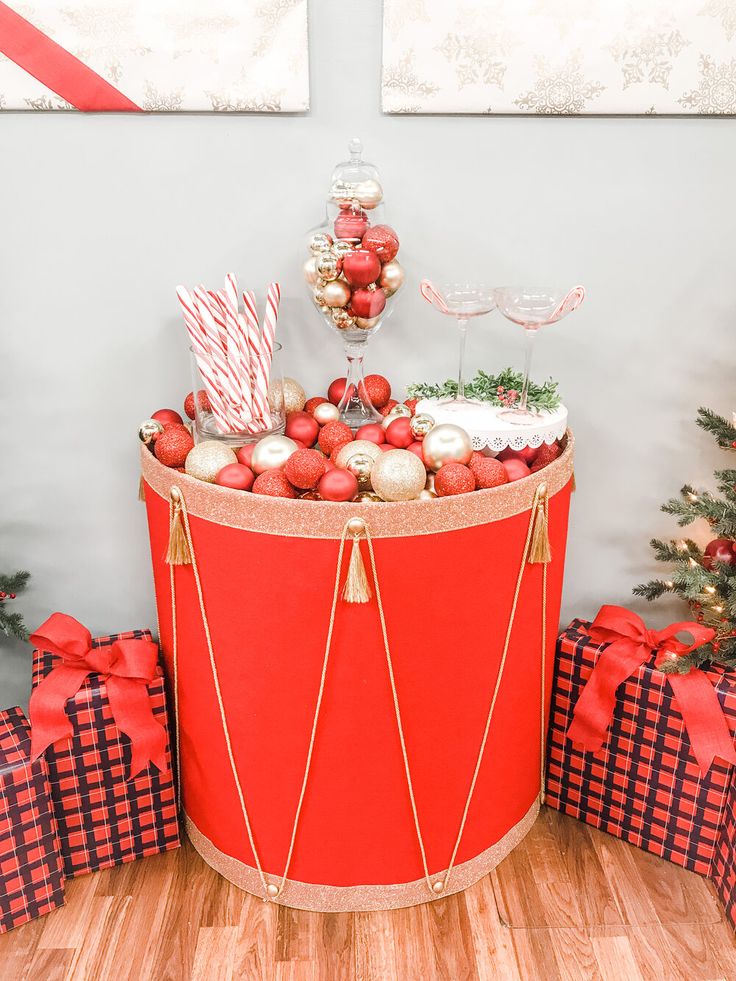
[[356, 527], [273, 890], [438, 886]]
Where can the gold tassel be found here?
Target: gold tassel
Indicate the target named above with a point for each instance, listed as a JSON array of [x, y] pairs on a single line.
[[357, 588], [573, 485], [539, 550], [141, 489], [178, 551]]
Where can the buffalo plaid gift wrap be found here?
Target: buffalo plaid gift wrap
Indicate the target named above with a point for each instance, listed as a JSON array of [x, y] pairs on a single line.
[[644, 784], [110, 807], [723, 871], [31, 878]]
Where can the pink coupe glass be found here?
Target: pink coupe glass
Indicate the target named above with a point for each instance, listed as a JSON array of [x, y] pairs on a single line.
[[532, 307]]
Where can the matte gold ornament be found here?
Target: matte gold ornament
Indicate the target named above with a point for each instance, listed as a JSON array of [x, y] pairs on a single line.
[[391, 278], [271, 453], [320, 242], [446, 443], [342, 319], [398, 475], [367, 323], [148, 430], [369, 193], [360, 466], [399, 411], [328, 265], [310, 271], [341, 247], [363, 447], [368, 497], [421, 424], [326, 412], [426, 495], [205, 460], [294, 396], [336, 293]]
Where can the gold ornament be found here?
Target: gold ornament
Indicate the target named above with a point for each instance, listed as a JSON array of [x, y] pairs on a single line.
[[320, 242], [446, 443], [368, 497], [360, 466], [398, 412], [342, 319], [426, 495], [391, 278], [430, 482], [319, 297], [369, 193], [420, 425], [149, 430], [310, 271], [366, 323], [363, 447], [271, 453], [342, 192], [336, 293], [328, 265], [205, 460], [294, 396], [398, 475], [342, 247], [326, 412]]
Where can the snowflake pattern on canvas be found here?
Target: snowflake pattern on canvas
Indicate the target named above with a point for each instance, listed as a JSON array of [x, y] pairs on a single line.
[[716, 94], [562, 91], [725, 12], [649, 58]]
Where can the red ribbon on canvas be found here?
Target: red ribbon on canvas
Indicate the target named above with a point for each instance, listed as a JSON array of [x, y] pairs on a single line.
[[127, 666], [57, 68], [631, 645]]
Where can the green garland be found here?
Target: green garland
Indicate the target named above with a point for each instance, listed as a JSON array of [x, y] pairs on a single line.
[[494, 389]]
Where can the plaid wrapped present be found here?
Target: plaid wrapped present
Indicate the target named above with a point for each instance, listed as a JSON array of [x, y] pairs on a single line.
[[31, 878], [644, 784], [723, 870], [113, 804]]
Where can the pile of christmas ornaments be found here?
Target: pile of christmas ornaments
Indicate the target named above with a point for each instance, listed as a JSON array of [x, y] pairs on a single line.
[[406, 457], [353, 272]]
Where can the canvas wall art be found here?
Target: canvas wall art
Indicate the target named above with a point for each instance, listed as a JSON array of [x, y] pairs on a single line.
[[155, 55], [560, 57]]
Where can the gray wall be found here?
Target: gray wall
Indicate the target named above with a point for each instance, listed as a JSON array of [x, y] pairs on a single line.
[[103, 216]]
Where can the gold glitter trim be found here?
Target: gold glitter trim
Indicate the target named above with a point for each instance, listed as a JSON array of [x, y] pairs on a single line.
[[346, 899], [325, 519]]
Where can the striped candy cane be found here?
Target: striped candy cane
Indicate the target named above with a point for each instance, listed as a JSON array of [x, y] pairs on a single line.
[[259, 390], [268, 335], [239, 344], [432, 295], [223, 373], [204, 359]]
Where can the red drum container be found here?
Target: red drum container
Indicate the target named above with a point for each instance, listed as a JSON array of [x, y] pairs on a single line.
[[343, 827]]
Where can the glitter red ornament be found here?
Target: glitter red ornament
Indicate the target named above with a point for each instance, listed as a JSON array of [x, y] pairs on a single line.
[[488, 473], [453, 478], [304, 469], [172, 446], [367, 303], [167, 416], [302, 427], [333, 434], [338, 485], [377, 389], [515, 468], [361, 268], [204, 403], [373, 432], [273, 483], [311, 404], [527, 455], [236, 476], [245, 454], [399, 433], [476, 458], [545, 455], [411, 404], [387, 407], [382, 240]]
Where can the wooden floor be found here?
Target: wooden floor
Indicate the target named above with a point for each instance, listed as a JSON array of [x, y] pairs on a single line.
[[569, 903]]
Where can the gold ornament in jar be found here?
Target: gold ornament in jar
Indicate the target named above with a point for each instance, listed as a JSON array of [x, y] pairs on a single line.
[[367, 323], [369, 193], [328, 265], [391, 278], [310, 271], [336, 293], [446, 443], [205, 460], [320, 242], [341, 247], [342, 319]]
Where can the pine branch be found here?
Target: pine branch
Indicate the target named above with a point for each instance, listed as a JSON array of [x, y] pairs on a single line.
[[653, 589], [14, 583], [12, 625], [680, 552], [722, 429], [495, 389]]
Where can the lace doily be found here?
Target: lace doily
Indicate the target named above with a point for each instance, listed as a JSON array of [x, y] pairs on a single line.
[[488, 431]]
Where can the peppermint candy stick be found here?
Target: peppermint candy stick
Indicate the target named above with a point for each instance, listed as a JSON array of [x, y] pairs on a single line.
[[203, 358], [268, 336], [223, 373], [235, 328], [259, 391]]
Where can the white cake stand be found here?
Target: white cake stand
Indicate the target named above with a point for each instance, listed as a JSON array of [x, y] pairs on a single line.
[[490, 432]]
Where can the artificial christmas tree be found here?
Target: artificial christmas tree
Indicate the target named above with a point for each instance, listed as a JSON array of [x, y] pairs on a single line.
[[10, 585], [705, 577]]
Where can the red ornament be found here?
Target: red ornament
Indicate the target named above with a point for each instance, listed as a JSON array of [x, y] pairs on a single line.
[[333, 434], [387, 407], [338, 485], [489, 473], [302, 427], [453, 478], [476, 458], [399, 433], [311, 404], [411, 404], [273, 483], [304, 468], [361, 268], [383, 241], [172, 446], [719, 550], [515, 468], [329, 465], [351, 224], [528, 455], [416, 449], [336, 390], [545, 455], [367, 303], [373, 432], [204, 403], [237, 476], [167, 416], [245, 454], [378, 390]]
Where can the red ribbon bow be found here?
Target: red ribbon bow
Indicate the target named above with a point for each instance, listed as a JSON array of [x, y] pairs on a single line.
[[127, 666], [631, 645]]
